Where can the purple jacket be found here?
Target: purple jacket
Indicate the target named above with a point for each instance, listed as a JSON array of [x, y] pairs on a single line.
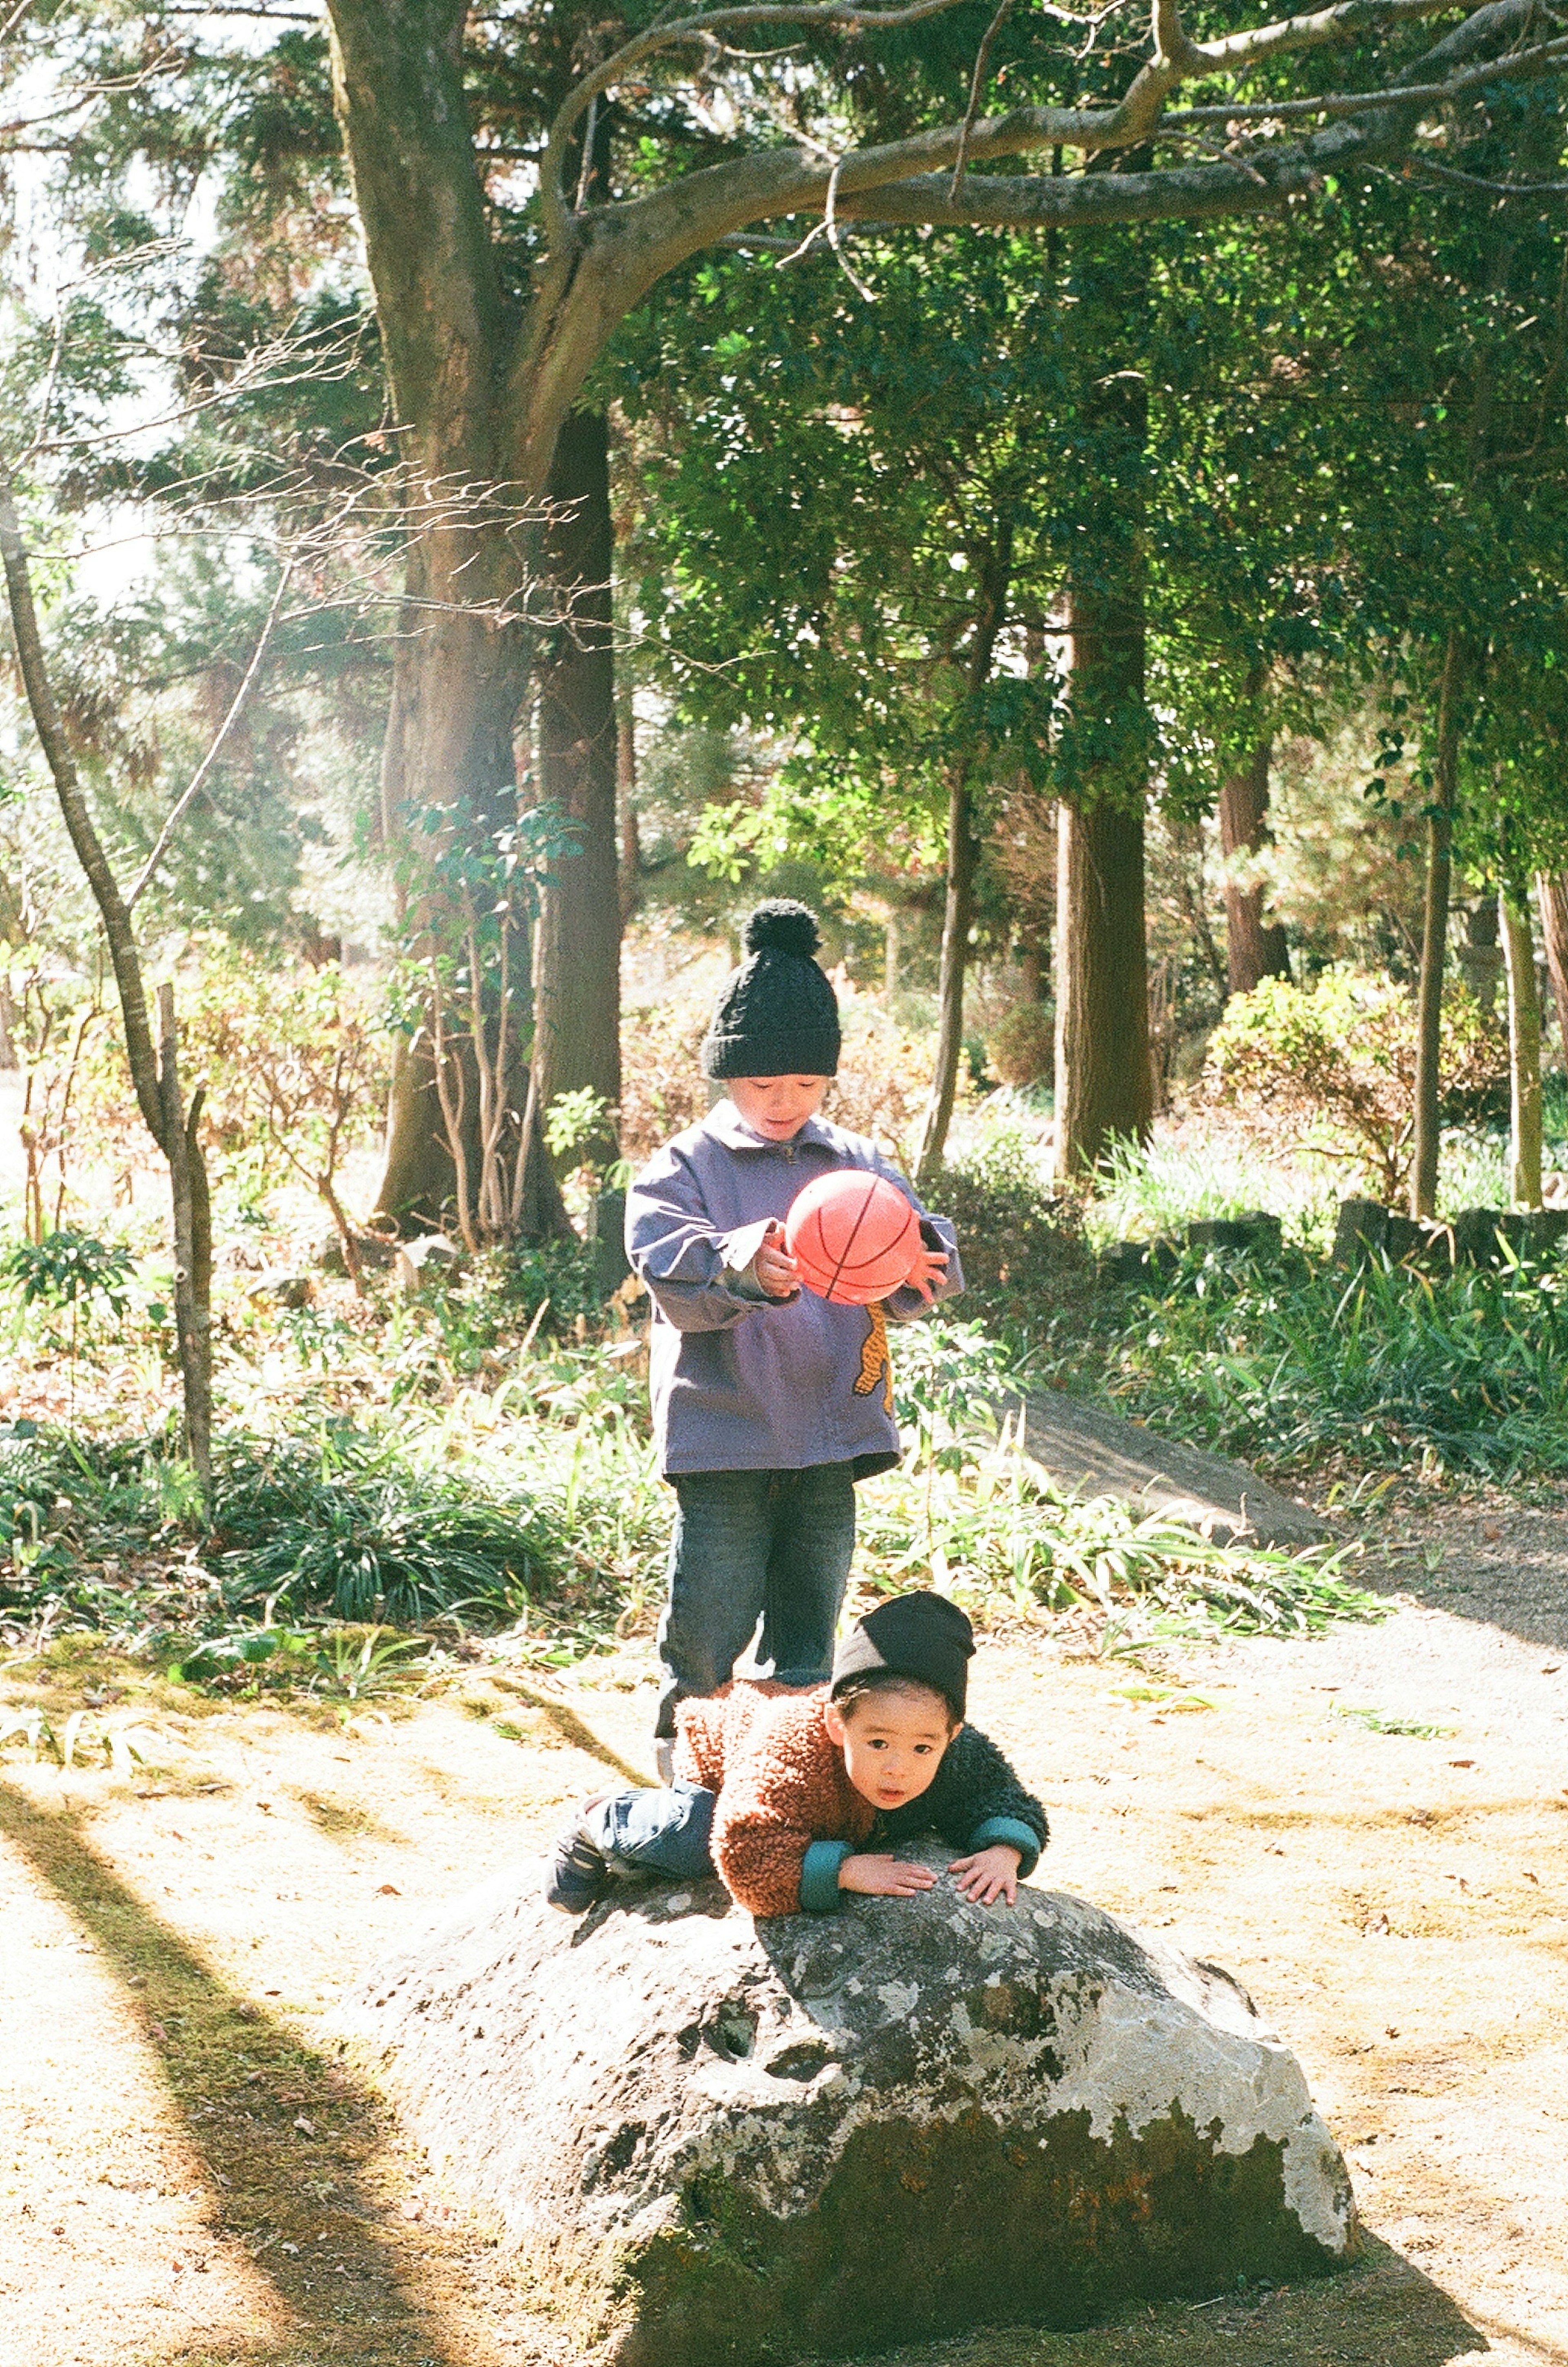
[[742, 1382]]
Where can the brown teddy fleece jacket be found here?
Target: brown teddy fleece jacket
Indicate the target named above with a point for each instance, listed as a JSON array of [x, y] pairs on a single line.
[[787, 1815]]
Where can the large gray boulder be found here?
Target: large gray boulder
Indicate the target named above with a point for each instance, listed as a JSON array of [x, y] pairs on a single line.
[[723, 2141]]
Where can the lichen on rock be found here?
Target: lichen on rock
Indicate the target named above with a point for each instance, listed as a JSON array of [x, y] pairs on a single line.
[[742, 2143]]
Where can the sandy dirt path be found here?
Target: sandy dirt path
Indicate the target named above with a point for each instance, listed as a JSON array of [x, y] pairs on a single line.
[[190, 2177]]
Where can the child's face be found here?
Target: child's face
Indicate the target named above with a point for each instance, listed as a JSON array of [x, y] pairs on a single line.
[[892, 1743], [776, 1107]]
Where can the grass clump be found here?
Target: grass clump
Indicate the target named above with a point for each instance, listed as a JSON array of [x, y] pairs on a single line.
[[1303, 1365], [549, 1529], [978, 1519]]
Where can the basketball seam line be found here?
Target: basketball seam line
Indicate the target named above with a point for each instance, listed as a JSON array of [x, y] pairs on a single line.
[[873, 1179]]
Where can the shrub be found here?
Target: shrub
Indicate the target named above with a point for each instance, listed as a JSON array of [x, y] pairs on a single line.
[[1023, 1048], [1339, 1058], [1021, 1243], [1454, 1374]]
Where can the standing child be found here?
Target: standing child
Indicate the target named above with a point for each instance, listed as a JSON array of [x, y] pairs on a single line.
[[769, 1403]]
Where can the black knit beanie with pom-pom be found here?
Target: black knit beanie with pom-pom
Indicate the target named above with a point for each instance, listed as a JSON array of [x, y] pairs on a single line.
[[777, 1016]]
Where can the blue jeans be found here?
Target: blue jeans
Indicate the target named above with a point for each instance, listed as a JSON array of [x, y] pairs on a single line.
[[656, 1832], [750, 1546]]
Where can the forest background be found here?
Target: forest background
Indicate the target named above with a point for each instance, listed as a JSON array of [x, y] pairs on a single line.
[[487, 495]]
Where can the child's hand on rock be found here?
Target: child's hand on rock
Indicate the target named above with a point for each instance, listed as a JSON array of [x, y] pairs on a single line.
[[989, 1874], [886, 1877], [775, 1270]]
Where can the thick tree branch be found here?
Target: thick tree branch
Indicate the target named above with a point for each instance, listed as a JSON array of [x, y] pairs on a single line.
[[707, 28]]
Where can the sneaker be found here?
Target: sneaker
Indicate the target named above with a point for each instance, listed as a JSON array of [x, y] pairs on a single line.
[[578, 1872]]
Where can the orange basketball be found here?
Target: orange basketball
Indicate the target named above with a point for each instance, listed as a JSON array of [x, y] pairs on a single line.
[[853, 1236]]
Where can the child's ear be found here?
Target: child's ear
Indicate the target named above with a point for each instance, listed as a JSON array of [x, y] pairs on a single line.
[[833, 1720]]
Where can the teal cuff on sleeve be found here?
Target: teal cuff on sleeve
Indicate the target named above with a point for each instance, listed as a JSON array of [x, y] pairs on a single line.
[[1015, 1833], [820, 1876]]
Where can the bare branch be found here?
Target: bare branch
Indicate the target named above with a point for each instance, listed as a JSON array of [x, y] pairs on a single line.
[[977, 84], [1548, 55], [836, 15], [1493, 189], [182, 805]]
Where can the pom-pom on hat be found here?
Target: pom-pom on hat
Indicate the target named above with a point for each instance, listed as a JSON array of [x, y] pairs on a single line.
[[777, 1016], [922, 1637]]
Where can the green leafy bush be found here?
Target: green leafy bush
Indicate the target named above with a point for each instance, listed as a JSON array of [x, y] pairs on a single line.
[[1021, 1244], [1303, 1365], [1337, 1061]]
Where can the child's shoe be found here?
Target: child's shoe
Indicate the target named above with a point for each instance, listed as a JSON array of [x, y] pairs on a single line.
[[578, 1872]]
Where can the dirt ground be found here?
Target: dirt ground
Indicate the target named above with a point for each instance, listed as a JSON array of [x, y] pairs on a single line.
[[190, 2177]]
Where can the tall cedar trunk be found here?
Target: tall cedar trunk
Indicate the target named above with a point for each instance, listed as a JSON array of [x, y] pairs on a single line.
[[1254, 948], [457, 668], [1105, 1085], [1552, 893], [577, 955], [193, 1315], [1524, 1045], [1435, 937], [962, 859]]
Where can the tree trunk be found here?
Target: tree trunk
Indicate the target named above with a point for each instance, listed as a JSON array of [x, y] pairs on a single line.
[[1255, 949], [1524, 1045], [577, 952], [155, 1080], [1551, 892], [958, 919], [1435, 937], [1104, 1085], [193, 1318], [963, 860], [626, 794]]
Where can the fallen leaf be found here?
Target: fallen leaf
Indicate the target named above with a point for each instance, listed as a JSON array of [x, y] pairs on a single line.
[[1462, 1762], [388, 1890], [301, 2123]]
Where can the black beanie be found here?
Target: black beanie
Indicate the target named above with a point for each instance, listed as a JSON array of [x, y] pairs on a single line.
[[922, 1637], [777, 1016]]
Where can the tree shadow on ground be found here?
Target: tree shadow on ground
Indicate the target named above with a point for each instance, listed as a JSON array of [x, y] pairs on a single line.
[[1500, 1564], [241, 2085]]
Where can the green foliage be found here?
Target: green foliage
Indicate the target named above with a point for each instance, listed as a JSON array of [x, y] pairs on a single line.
[[1379, 1721], [1146, 1191], [1021, 1244], [970, 1514], [69, 1270], [1339, 1060], [1303, 1366], [342, 1528]]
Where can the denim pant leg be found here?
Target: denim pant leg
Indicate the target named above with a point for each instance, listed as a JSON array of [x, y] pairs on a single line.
[[719, 1582], [656, 1832], [808, 1568]]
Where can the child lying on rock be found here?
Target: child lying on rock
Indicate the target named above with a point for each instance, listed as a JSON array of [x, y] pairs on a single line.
[[795, 1797]]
